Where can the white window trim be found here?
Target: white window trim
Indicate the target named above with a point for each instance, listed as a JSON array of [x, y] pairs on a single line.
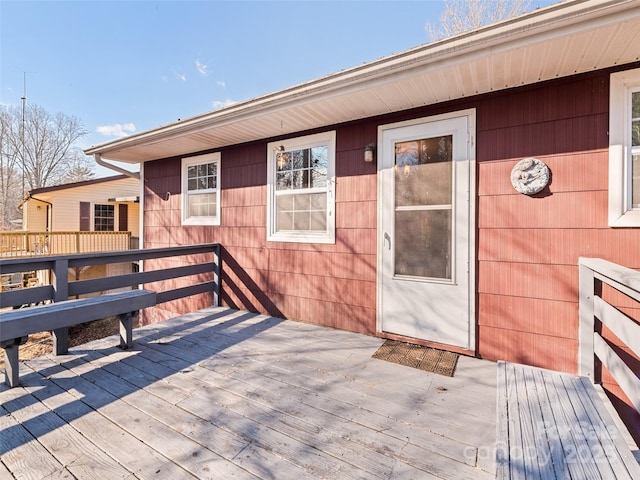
[[94, 217], [329, 237], [186, 162], [620, 212]]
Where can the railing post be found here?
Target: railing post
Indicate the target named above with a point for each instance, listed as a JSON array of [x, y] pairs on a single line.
[[61, 293], [586, 309], [217, 271]]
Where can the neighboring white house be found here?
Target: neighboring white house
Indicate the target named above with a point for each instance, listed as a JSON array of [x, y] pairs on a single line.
[[103, 204], [94, 215]]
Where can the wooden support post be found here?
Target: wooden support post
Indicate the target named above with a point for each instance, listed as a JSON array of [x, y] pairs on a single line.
[[61, 340], [586, 310], [126, 330], [11, 361], [217, 275], [11, 366], [61, 280]]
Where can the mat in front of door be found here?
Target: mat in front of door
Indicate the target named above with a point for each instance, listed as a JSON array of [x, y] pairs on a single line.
[[417, 356]]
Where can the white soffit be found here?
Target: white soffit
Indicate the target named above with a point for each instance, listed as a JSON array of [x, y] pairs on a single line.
[[561, 40]]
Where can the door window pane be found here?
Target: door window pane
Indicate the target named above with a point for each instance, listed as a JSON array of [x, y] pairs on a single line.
[[423, 175], [423, 171], [423, 243]]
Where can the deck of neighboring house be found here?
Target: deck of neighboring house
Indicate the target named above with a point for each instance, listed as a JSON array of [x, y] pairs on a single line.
[[222, 393], [15, 244]]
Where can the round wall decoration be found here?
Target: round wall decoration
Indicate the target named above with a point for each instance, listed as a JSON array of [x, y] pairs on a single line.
[[529, 176]]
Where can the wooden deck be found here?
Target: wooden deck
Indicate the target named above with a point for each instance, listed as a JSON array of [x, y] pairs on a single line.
[[226, 394], [553, 425]]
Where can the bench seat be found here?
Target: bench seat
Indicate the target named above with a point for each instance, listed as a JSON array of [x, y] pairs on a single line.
[[555, 425], [17, 325]]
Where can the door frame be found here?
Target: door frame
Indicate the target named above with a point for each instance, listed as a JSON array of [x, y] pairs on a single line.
[[472, 293]]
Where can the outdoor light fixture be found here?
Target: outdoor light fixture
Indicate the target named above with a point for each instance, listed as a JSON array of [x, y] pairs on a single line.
[[281, 158], [281, 161], [368, 152]]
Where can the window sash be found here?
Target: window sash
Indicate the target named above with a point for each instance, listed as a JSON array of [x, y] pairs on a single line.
[[201, 192], [104, 218], [300, 198], [202, 177], [624, 161], [300, 212]]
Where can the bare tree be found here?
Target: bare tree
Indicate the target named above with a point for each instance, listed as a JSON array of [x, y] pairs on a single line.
[[10, 174], [37, 150], [464, 15], [48, 146], [79, 169]]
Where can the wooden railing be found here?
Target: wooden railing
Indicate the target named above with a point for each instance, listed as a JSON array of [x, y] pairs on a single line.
[[27, 244], [594, 273], [201, 263]]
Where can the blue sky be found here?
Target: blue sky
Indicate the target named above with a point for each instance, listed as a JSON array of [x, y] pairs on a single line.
[[127, 66]]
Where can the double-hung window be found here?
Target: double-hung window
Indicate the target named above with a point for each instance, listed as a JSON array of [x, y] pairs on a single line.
[[624, 149], [201, 190], [300, 177], [104, 218]]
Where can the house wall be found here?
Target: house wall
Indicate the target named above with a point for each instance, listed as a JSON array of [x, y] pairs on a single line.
[[332, 285], [34, 220], [66, 203], [527, 247]]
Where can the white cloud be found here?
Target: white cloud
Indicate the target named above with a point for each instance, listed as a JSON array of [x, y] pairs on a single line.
[[222, 103], [202, 68], [180, 76], [116, 130], [221, 83]]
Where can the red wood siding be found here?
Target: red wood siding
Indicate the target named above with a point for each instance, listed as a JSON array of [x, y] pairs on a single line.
[[333, 285], [527, 247]]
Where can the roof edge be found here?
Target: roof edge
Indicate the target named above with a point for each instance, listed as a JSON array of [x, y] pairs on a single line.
[[558, 18]]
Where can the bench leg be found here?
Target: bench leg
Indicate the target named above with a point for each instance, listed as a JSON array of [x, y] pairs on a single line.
[[11, 363], [61, 341], [11, 367], [126, 330]]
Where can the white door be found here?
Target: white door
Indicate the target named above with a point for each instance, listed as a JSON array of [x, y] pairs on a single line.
[[426, 245]]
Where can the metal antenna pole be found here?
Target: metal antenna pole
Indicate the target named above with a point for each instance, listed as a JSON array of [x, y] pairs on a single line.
[[24, 101]]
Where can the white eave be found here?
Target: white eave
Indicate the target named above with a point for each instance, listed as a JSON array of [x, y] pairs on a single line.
[[563, 39]]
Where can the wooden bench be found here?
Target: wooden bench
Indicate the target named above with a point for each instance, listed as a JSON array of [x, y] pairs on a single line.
[[17, 325], [555, 425]]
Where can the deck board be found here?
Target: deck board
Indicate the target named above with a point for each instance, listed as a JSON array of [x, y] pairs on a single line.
[[5, 474], [556, 426], [143, 461], [21, 453], [227, 394], [612, 442]]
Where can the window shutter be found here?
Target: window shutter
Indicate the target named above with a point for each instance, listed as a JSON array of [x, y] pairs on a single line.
[[85, 216], [123, 217]]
